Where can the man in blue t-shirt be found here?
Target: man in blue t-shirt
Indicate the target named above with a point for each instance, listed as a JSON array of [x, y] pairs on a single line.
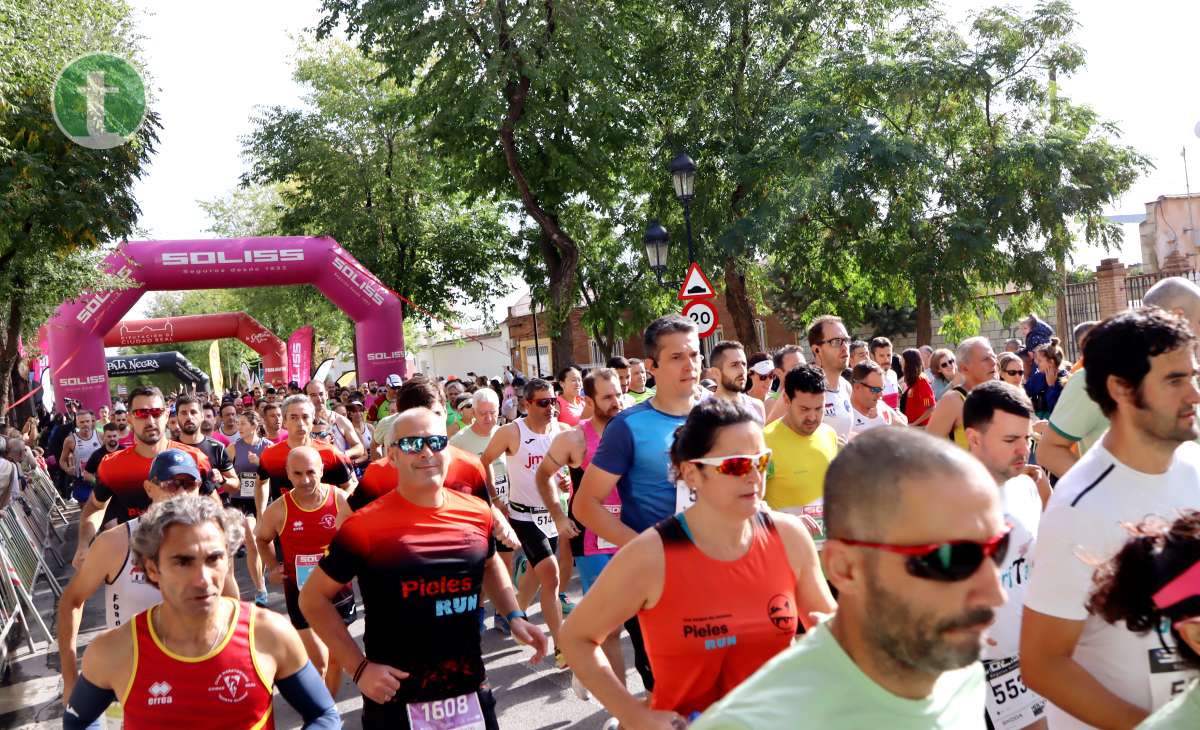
[[633, 453]]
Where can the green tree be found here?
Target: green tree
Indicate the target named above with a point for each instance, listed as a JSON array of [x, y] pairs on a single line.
[[350, 166], [937, 167], [60, 203], [534, 100], [731, 78]]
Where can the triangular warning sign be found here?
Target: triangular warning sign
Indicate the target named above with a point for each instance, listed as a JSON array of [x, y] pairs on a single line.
[[696, 285]]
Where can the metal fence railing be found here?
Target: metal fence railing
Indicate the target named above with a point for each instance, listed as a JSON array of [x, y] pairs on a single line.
[[1083, 305]]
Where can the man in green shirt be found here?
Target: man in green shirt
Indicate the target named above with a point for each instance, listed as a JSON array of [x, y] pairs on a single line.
[[915, 596], [638, 391]]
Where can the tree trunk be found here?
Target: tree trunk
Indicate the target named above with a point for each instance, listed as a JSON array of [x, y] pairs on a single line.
[[21, 388], [924, 319], [9, 354], [741, 310]]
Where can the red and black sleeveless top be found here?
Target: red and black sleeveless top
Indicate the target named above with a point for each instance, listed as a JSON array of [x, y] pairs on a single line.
[[306, 534]]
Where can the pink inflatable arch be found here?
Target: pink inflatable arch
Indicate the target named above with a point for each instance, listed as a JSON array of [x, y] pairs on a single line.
[[78, 328], [206, 327]]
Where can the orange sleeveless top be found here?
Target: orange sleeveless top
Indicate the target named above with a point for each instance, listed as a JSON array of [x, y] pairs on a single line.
[[717, 621], [223, 689]]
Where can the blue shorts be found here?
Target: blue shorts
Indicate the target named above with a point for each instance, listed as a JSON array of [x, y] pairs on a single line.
[[589, 567]]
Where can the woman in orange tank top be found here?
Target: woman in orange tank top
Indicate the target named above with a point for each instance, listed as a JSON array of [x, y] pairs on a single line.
[[717, 589]]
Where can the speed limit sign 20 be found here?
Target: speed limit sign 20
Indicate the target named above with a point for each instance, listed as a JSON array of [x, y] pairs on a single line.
[[704, 314]]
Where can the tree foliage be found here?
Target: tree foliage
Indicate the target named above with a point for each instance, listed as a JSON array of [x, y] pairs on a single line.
[[60, 203], [350, 166], [941, 166]]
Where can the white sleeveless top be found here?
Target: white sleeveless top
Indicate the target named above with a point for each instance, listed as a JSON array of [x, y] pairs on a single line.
[[84, 448], [522, 467], [129, 593]]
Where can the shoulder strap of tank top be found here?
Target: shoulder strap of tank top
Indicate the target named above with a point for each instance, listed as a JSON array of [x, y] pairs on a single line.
[[590, 437], [961, 391], [671, 530]]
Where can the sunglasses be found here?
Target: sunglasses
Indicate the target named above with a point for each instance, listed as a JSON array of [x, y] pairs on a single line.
[[871, 388], [414, 444], [148, 412], [764, 377], [1014, 373], [947, 361], [181, 483], [738, 465], [947, 562], [544, 402]]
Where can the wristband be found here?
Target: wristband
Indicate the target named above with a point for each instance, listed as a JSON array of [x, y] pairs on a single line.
[[515, 615], [361, 667]]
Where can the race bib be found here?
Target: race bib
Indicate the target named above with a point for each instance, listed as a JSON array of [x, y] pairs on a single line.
[[684, 496], [1168, 676], [1010, 704], [545, 522], [247, 485], [501, 485], [304, 567], [455, 713], [601, 543]]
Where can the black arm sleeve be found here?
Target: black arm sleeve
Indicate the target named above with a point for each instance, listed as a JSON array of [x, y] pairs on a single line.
[[306, 692], [88, 703]]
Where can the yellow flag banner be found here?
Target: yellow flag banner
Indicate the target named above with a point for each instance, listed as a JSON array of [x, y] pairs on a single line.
[[214, 366]]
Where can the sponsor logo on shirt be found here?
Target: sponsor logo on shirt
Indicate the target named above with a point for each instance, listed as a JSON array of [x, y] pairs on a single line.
[[297, 526], [715, 636], [436, 586], [534, 460], [232, 685], [160, 694], [782, 612], [327, 521]]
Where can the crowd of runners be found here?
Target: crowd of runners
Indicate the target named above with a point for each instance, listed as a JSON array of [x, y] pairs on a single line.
[[832, 535]]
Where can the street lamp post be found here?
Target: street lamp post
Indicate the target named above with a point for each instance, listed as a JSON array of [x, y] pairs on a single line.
[[656, 238], [683, 174]]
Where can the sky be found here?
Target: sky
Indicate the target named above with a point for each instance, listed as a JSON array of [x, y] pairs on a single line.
[[212, 63]]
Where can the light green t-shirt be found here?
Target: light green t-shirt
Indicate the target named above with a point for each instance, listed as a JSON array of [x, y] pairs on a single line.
[[1076, 416], [639, 397], [814, 684], [1178, 714]]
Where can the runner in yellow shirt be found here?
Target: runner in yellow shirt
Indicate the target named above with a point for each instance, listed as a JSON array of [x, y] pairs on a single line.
[[801, 446]]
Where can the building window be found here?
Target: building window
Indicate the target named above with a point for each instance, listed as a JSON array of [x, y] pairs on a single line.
[[531, 359], [598, 358]]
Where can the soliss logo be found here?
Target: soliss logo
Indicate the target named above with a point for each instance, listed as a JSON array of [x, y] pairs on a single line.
[[374, 356], [93, 305], [366, 286], [89, 380], [259, 256]]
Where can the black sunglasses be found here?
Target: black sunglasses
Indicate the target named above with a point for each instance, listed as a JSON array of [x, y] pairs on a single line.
[[544, 402], [947, 562], [414, 444], [1014, 373]]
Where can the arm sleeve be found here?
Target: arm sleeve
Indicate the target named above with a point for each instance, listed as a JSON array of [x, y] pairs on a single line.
[[615, 452], [306, 692], [344, 561], [338, 470], [1061, 579], [86, 705], [101, 491]]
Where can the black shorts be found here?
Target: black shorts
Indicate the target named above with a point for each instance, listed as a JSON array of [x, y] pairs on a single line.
[[394, 715], [534, 542], [577, 541], [245, 504], [343, 602]]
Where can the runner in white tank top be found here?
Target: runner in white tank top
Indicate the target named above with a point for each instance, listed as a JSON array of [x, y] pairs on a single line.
[[129, 593], [84, 448], [522, 466]]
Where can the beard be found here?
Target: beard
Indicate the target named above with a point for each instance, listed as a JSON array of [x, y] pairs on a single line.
[[189, 428], [733, 386], [917, 640]]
